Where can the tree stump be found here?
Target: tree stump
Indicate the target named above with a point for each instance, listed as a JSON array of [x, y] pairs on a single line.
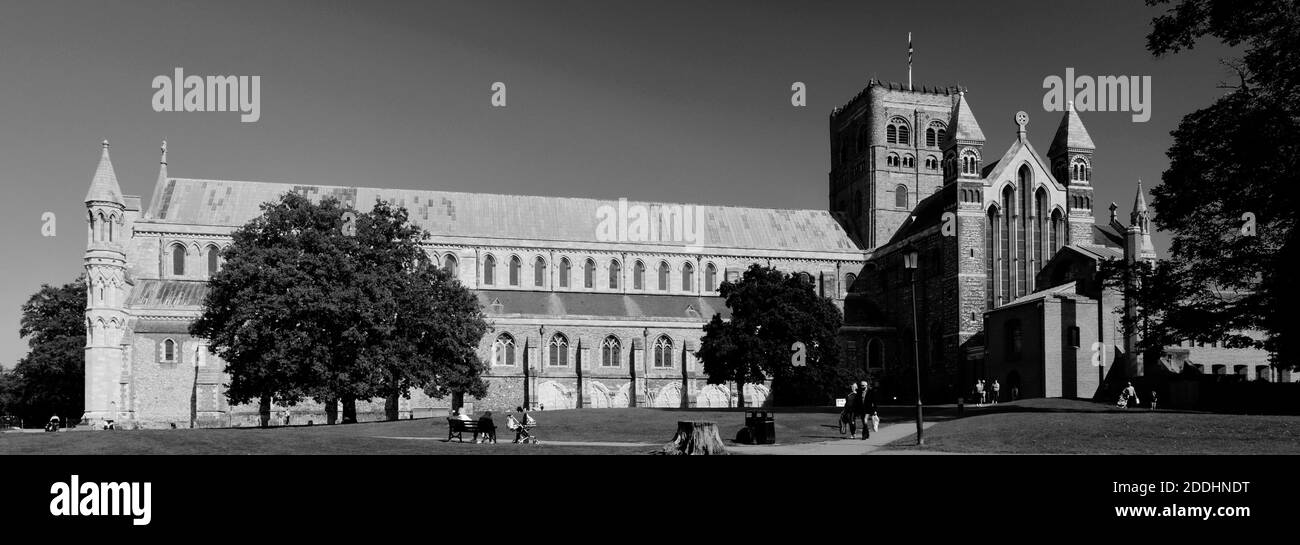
[[695, 437]]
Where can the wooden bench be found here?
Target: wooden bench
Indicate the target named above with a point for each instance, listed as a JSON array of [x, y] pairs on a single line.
[[456, 427]]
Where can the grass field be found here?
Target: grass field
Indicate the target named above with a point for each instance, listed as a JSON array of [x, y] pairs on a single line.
[[1041, 426], [654, 426], [1057, 426]]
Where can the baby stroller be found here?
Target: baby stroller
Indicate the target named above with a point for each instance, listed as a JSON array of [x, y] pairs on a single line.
[[53, 424], [523, 432]]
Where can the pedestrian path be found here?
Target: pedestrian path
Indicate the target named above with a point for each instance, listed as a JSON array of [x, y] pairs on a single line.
[[560, 443], [886, 435]]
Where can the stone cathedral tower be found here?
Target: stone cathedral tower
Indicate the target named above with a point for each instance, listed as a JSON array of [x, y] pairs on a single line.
[[106, 279], [1071, 159]]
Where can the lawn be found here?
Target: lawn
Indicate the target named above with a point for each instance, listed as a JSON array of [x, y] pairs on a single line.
[[424, 436], [1057, 426]]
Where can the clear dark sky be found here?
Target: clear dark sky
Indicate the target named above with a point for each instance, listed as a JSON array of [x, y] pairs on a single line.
[[662, 100]]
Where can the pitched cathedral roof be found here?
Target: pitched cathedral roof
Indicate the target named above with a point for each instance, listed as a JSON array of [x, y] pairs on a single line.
[[484, 215]]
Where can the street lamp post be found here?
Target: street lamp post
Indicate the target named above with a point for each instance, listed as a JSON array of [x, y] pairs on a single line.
[[909, 261]]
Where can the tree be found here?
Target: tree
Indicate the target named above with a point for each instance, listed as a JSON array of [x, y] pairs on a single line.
[[770, 312], [303, 310], [50, 379], [428, 317], [1229, 194]]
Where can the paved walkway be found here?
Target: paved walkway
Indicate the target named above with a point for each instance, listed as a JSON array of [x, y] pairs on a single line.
[[886, 435], [561, 443]]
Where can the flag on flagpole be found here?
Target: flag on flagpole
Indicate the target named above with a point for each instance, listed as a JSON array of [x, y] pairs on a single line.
[[909, 61]]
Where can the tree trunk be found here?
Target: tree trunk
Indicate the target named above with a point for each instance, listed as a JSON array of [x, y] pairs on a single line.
[[349, 410], [740, 394], [264, 410], [331, 411], [457, 400], [390, 405], [695, 438]]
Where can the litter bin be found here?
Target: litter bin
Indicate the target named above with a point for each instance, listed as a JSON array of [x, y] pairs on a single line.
[[762, 427]]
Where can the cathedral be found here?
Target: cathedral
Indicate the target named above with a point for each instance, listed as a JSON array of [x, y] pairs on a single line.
[[1004, 281], [577, 321], [992, 230]]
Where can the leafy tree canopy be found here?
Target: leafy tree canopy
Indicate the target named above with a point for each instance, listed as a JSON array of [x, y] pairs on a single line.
[[302, 309], [770, 312], [1229, 195], [50, 379]]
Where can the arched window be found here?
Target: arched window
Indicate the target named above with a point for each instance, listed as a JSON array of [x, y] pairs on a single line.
[[611, 352], [564, 272], [900, 196], [990, 248], [934, 134], [111, 220], [1024, 253], [1041, 246], [503, 350], [178, 260], [1013, 339], [1007, 254], [663, 352], [638, 276], [169, 350], [539, 272], [212, 260], [663, 276], [1056, 230], [589, 274], [849, 279], [892, 160], [898, 131], [515, 265], [969, 162], [688, 277], [932, 163], [614, 272], [449, 265], [942, 135], [489, 270], [101, 234], [558, 351], [875, 354], [1079, 170], [710, 278], [909, 161]]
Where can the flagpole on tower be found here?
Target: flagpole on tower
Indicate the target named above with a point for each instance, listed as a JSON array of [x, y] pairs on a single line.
[[909, 61]]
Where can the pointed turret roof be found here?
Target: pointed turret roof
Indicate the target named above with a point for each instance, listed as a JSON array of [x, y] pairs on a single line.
[[103, 187], [162, 178], [962, 125], [1071, 134], [1139, 202]]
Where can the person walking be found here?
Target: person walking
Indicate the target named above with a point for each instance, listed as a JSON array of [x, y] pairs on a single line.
[[846, 414], [997, 391], [867, 407], [851, 406], [979, 391]]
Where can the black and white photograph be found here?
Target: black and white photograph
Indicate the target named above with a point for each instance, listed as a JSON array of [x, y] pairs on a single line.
[[1030, 233]]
